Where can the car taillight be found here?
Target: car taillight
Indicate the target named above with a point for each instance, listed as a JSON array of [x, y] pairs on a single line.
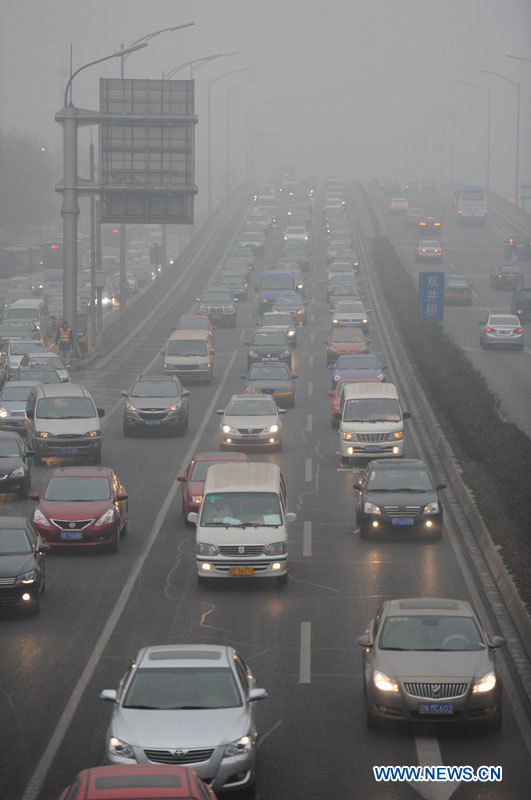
[[489, 330], [518, 330], [519, 311]]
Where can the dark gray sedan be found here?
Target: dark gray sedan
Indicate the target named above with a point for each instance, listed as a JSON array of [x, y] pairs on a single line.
[[22, 572], [269, 345], [430, 660], [274, 378], [156, 402]]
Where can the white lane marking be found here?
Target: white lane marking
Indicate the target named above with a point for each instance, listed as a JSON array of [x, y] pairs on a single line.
[[310, 360], [307, 469], [309, 422], [310, 388], [429, 755], [305, 658], [261, 739], [307, 539], [39, 775]]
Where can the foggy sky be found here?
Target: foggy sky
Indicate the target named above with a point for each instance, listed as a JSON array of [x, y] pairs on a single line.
[[343, 87]]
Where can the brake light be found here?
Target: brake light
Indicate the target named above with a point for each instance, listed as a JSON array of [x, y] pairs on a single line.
[[489, 330], [518, 330], [519, 311], [500, 276]]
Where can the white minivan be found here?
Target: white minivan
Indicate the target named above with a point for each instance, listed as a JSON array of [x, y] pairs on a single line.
[[242, 523], [371, 422]]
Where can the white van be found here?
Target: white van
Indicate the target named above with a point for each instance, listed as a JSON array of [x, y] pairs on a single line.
[[242, 524], [35, 310], [190, 354], [371, 422], [62, 420]]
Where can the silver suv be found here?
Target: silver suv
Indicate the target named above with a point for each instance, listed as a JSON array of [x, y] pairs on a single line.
[[156, 401]]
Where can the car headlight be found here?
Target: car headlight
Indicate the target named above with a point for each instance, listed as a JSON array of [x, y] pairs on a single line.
[[335, 321], [196, 498], [120, 748], [18, 473], [175, 407], [276, 549], [27, 577], [371, 508], [105, 519], [299, 286], [205, 549], [43, 434], [485, 684], [227, 428], [241, 745], [39, 518], [285, 354], [130, 406], [264, 299], [273, 428], [3, 412], [253, 354], [383, 683], [346, 435], [431, 508], [290, 333], [93, 434], [398, 434]]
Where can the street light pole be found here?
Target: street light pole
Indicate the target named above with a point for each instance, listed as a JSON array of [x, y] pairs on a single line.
[[68, 117], [227, 143], [486, 91], [516, 85]]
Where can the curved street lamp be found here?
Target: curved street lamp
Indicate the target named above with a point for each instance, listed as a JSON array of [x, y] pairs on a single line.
[[516, 86]]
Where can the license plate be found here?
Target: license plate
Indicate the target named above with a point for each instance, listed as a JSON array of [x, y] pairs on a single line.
[[268, 358], [374, 448], [153, 422], [504, 333], [69, 451], [71, 535], [241, 570], [250, 437], [436, 708], [402, 520]]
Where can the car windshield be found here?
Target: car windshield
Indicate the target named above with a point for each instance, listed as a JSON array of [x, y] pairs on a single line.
[[23, 313], [271, 318], [374, 409], [14, 542], [430, 244], [82, 488], [251, 408], [393, 479], [266, 339], [11, 394], [292, 300], [340, 267], [241, 508], [154, 389], [355, 362], [224, 297], [169, 688], [347, 289], [268, 372], [430, 632], [200, 468], [187, 347], [347, 335], [280, 282], [349, 308], [471, 194], [20, 348], [66, 408], [191, 324], [9, 448], [36, 374], [499, 319], [296, 231]]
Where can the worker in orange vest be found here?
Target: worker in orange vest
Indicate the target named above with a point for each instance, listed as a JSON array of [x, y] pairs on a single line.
[[64, 339]]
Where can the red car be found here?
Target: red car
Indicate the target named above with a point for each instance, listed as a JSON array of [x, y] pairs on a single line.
[[129, 781], [194, 479], [82, 506], [337, 393], [345, 341], [194, 322]]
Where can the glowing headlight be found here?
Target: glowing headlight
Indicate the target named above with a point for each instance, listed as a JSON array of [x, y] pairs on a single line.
[[432, 508], [93, 434], [398, 434], [130, 406], [383, 683], [27, 577], [43, 434], [226, 428], [485, 684], [346, 435], [371, 508], [121, 749], [272, 429], [290, 333], [3, 412], [196, 498], [175, 407], [242, 745]]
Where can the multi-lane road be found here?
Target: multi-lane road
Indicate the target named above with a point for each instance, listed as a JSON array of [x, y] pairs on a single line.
[[299, 639]]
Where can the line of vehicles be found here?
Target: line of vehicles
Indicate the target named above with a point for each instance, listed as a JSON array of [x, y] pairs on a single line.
[[183, 715]]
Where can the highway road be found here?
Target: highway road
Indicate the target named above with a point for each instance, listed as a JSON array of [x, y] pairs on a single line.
[[473, 252], [299, 639]]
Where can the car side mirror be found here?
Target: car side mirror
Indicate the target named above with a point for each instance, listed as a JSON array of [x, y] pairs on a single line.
[[123, 394], [193, 517], [337, 414], [294, 376], [122, 496], [173, 327], [282, 410], [43, 547], [182, 478], [291, 516], [495, 641], [110, 695], [186, 393], [440, 486], [29, 453], [256, 694], [30, 414], [220, 411], [406, 414], [359, 483], [384, 366], [330, 393], [364, 641], [33, 495], [197, 299], [101, 412]]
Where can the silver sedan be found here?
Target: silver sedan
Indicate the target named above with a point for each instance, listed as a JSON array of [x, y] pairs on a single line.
[[190, 704], [501, 330], [430, 660], [249, 420]]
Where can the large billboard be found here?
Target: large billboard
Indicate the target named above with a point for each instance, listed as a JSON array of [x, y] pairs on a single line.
[[147, 151]]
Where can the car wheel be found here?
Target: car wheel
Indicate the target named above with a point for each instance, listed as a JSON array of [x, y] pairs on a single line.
[[124, 530], [43, 580], [126, 430], [96, 459]]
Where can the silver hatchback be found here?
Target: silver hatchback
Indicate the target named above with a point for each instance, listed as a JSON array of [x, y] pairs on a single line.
[[188, 704], [251, 420], [501, 330]]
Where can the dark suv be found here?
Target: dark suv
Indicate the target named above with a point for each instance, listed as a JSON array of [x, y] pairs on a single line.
[[220, 305], [156, 401], [521, 304], [519, 244]]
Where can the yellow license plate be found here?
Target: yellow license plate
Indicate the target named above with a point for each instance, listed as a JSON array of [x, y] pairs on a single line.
[[241, 570]]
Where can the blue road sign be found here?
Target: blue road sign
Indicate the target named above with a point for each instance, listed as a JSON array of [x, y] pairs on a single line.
[[431, 296]]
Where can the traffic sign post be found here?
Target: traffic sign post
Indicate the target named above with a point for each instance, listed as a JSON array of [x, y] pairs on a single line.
[[431, 296]]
